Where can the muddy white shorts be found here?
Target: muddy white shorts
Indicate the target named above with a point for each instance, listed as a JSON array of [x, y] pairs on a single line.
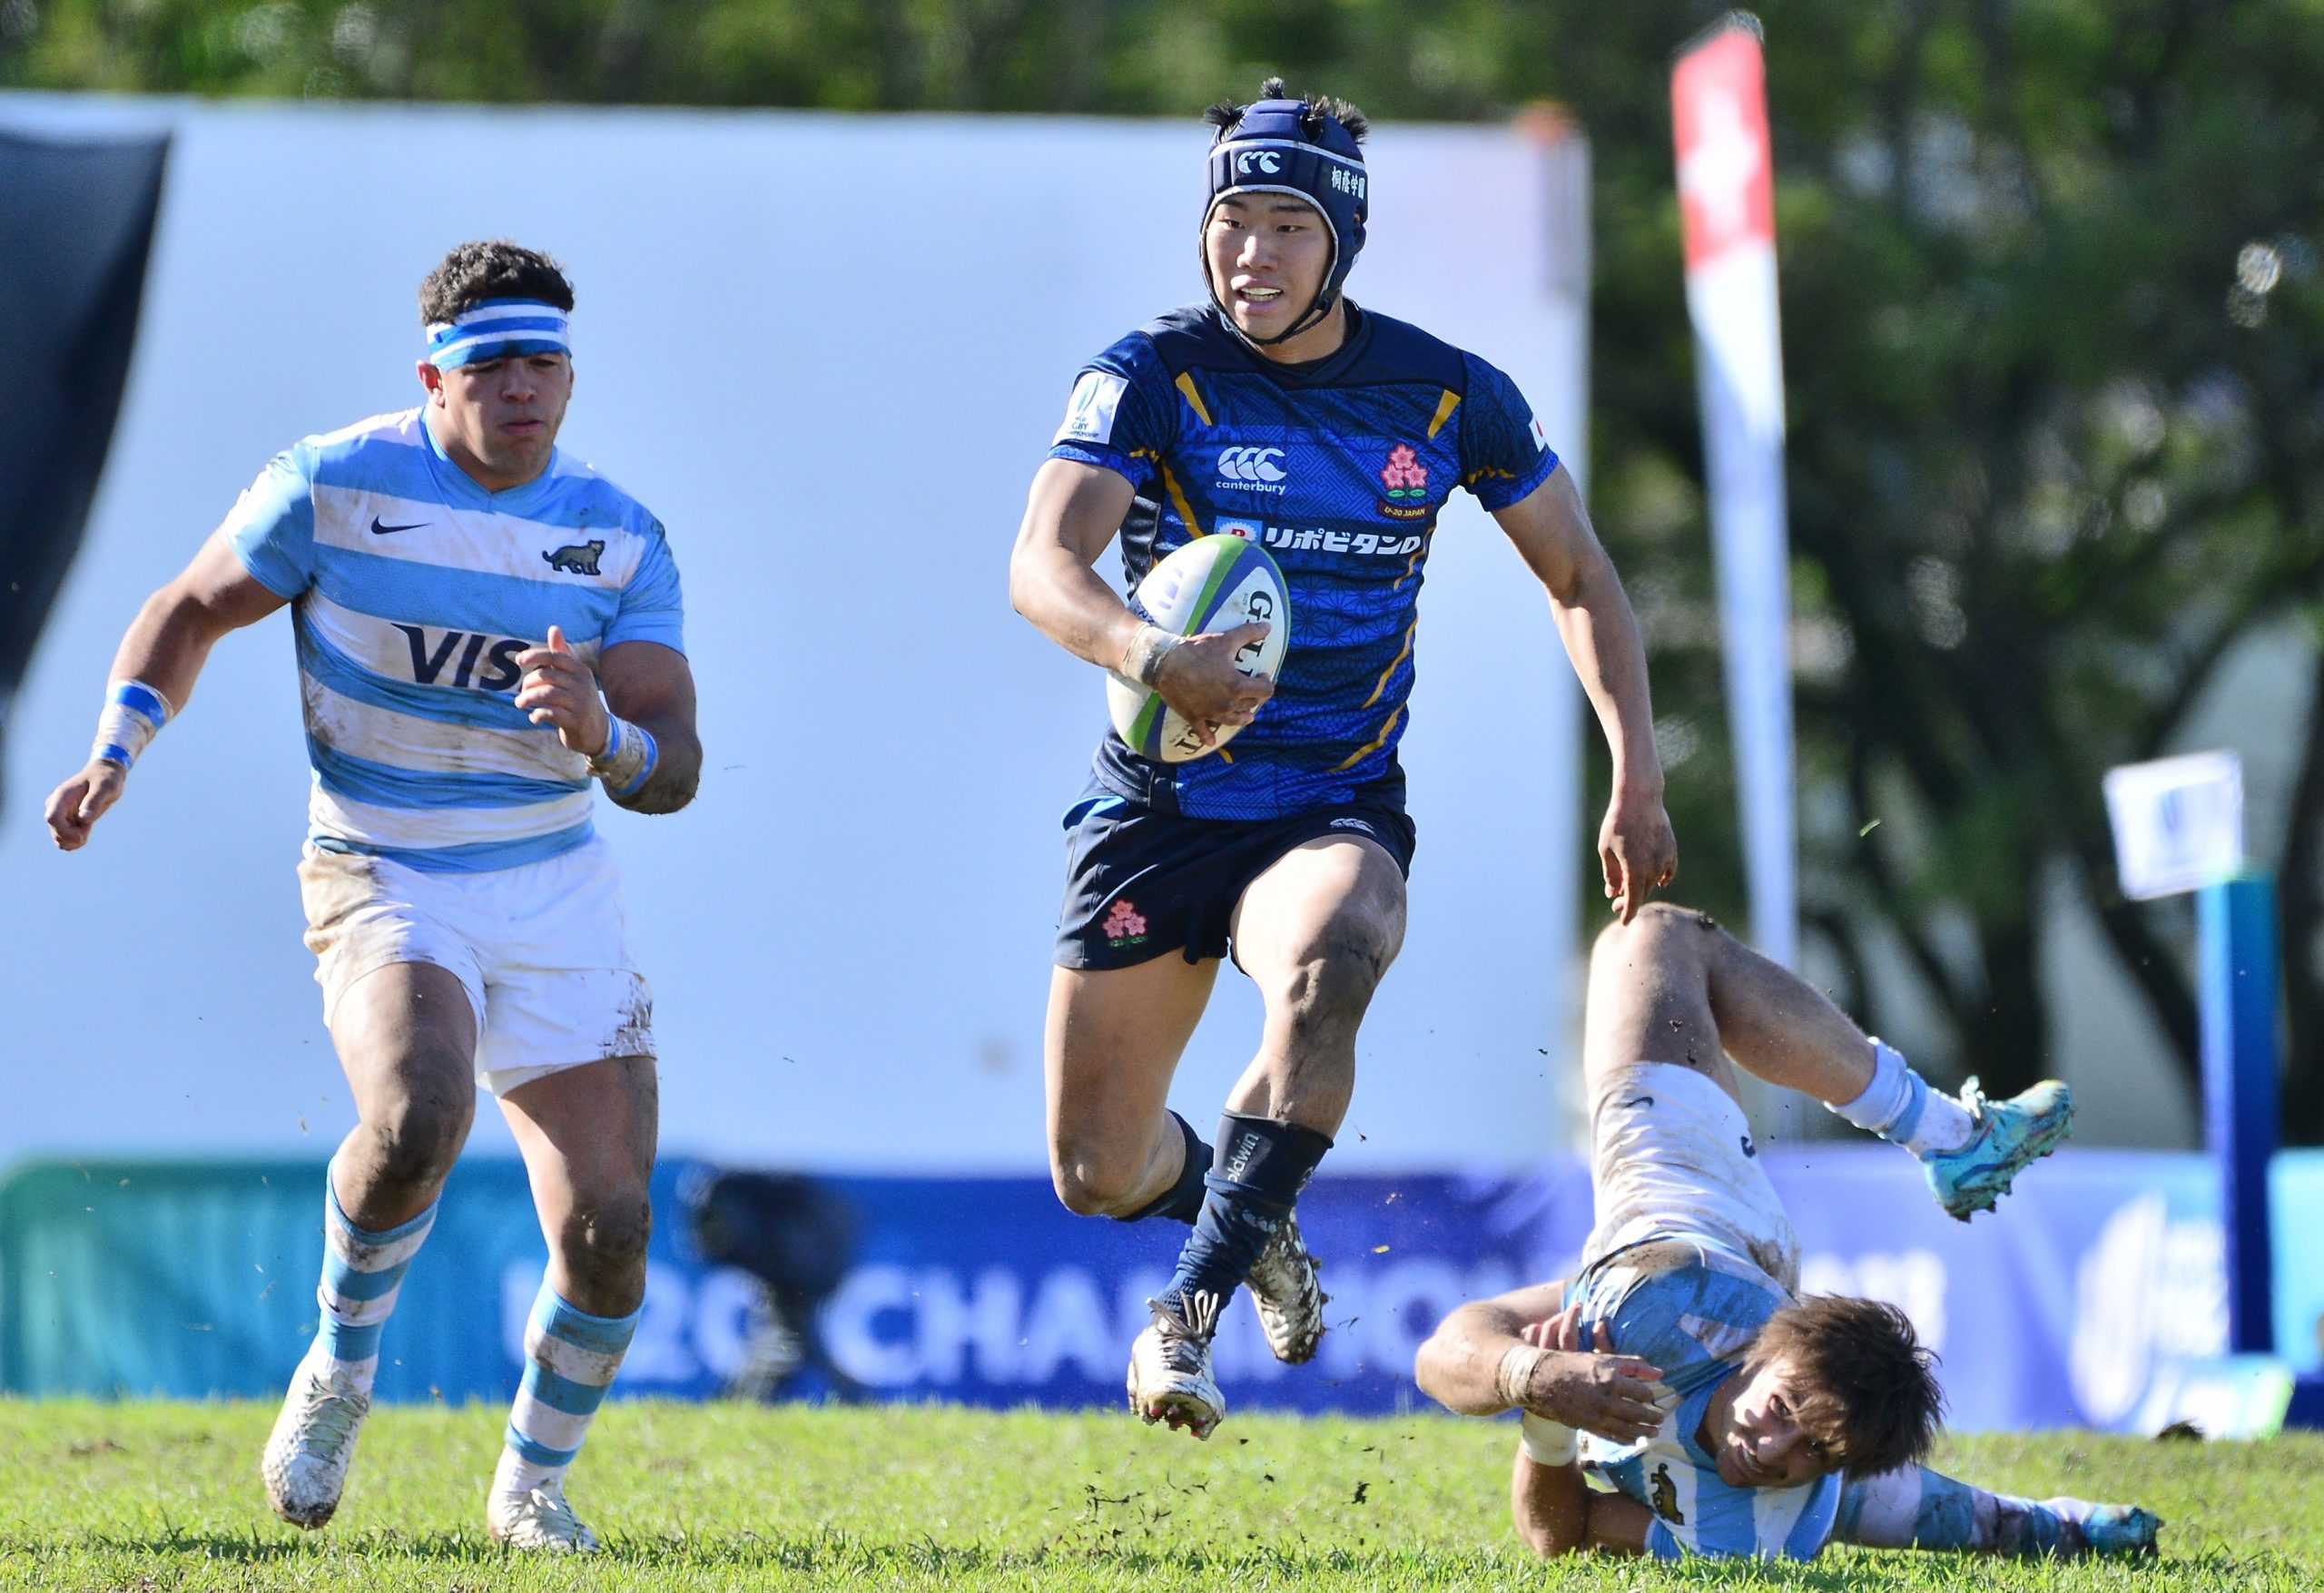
[[1672, 1154], [542, 949]]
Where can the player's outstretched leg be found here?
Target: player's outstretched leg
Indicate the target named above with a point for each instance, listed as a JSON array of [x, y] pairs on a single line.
[[588, 1134], [406, 1034], [1780, 1029], [1915, 1508]]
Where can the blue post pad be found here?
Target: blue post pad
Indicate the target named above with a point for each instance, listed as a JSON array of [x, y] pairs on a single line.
[[2236, 953]]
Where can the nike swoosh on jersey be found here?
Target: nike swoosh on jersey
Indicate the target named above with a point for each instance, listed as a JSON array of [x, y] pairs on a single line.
[[379, 530]]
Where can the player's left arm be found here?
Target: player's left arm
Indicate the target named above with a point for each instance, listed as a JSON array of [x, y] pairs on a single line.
[[645, 686], [1556, 1513], [1552, 532]]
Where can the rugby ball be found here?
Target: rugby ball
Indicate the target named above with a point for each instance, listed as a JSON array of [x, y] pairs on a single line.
[[1212, 584]]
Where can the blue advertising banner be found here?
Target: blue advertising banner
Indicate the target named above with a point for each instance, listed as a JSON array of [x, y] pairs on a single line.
[[194, 1280]]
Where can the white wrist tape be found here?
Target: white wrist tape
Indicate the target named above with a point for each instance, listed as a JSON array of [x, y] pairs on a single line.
[[1547, 1442], [1142, 660], [628, 760], [133, 717], [1515, 1375]]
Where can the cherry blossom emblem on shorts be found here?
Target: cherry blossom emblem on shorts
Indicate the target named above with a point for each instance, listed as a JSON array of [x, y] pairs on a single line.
[[1124, 925], [1406, 481]]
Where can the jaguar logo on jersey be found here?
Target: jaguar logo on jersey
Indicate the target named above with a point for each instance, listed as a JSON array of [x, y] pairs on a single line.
[[1251, 469], [577, 558], [1316, 539], [1666, 1496], [460, 651], [1124, 925], [1406, 479]]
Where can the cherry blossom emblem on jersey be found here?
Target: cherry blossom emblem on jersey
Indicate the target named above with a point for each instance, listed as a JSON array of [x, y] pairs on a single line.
[[1406, 481]]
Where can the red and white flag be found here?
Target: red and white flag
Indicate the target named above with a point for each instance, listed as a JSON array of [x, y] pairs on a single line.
[[1719, 106]]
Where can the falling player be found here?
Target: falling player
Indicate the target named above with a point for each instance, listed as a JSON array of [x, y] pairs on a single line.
[[484, 626], [1278, 411], [1785, 1424]]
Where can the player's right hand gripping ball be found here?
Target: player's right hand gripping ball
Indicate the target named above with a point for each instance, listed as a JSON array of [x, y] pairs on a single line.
[[1212, 584]]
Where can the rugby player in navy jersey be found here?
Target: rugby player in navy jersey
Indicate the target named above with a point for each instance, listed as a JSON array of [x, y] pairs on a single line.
[[487, 629], [1278, 411], [1781, 1424]]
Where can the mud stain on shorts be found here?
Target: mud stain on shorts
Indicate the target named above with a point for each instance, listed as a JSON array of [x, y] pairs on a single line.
[[332, 887], [632, 1036]]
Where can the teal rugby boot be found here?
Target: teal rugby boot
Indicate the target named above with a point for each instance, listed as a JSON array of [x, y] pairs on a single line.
[[2074, 1528], [2110, 1530], [2011, 1136]]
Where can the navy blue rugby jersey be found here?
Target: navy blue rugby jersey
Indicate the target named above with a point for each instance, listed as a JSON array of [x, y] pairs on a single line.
[[1339, 466]]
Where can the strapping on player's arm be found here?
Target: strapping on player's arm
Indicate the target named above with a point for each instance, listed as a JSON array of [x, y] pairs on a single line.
[[1494, 1356]]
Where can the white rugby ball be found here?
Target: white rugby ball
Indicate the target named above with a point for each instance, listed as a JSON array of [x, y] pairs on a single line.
[[1212, 584]]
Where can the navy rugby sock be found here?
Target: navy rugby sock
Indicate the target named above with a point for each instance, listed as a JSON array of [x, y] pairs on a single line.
[[1182, 1202], [1255, 1178]]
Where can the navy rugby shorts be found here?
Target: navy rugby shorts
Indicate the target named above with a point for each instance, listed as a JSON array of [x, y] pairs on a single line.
[[1141, 884]]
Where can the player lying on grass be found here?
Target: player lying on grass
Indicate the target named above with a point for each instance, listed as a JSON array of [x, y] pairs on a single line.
[[1784, 1424], [1280, 412], [466, 919]]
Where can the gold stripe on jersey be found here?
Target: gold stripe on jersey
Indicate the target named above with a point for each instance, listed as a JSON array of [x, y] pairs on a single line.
[[1374, 744], [1444, 407], [1187, 386], [1179, 502], [1412, 563], [1404, 652]]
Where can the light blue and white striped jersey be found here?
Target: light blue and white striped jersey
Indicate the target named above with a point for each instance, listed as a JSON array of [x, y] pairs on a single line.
[[413, 591], [1696, 1321]]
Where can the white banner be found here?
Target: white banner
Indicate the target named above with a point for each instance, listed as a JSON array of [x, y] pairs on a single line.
[[2178, 822], [858, 912]]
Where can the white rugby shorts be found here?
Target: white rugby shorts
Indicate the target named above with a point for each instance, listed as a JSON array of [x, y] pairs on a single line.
[[542, 949], [1671, 1156]]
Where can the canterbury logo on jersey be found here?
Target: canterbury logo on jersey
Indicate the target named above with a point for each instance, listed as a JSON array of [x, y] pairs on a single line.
[[1254, 467], [460, 651]]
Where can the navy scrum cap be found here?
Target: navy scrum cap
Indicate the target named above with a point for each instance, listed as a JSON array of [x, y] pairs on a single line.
[[1309, 148]]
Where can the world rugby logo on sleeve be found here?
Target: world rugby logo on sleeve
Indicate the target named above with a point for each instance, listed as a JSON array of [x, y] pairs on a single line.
[[1089, 414], [1212, 584]]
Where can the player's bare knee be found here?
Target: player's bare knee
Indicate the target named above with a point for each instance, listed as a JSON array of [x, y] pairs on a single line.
[[1665, 934], [605, 1236], [1332, 982], [1093, 1185], [416, 1139]]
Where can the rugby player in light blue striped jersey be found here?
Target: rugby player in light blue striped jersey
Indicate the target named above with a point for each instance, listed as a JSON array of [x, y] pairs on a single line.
[[1776, 1425], [486, 628]]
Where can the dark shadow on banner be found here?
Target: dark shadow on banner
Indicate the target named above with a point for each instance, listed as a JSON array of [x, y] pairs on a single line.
[[76, 226], [795, 1237]]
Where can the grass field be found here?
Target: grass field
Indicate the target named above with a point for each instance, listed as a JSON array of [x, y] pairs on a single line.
[[166, 1496]]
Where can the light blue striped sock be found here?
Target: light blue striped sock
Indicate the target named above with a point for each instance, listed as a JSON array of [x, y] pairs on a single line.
[[362, 1273], [570, 1361]]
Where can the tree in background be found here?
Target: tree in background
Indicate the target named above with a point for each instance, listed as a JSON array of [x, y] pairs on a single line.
[[2054, 339]]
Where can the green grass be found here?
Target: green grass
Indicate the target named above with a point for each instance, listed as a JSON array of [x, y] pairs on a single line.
[[151, 1496]]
